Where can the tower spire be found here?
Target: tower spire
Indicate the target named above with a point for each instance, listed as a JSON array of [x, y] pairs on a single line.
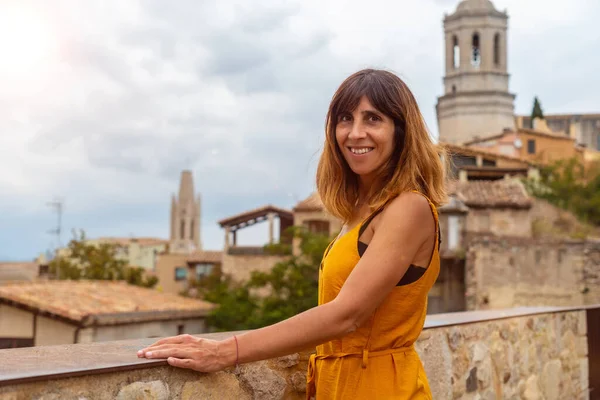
[[185, 217]]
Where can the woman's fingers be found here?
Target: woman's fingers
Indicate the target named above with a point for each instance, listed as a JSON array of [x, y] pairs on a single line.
[[166, 341]]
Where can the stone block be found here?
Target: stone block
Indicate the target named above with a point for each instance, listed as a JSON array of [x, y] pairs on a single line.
[[265, 383], [287, 361], [455, 339], [153, 390], [582, 323], [532, 389], [217, 386], [582, 346], [298, 381], [550, 380], [437, 361]]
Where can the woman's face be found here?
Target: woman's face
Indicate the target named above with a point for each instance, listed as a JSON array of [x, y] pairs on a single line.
[[366, 138]]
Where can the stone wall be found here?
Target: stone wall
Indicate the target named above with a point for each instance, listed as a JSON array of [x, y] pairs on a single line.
[[527, 354], [511, 272]]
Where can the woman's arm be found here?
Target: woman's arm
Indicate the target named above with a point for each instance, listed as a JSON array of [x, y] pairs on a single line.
[[406, 224]]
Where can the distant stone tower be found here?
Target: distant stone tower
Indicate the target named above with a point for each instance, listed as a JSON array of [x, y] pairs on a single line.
[[476, 100], [185, 217]]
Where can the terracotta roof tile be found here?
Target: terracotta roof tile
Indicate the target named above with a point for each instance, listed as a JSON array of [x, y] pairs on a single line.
[[76, 300], [491, 194]]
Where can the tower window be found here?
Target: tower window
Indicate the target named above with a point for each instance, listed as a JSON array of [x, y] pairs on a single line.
[[531, 146], [192, 229], [453, 88], [476, 51], [182, 230], [455, 52], [497, 49]]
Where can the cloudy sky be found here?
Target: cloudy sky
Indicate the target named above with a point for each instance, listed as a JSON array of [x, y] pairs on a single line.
[[103, 103]]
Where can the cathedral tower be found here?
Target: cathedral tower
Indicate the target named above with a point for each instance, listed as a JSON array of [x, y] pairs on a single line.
[[185, 217], [476, 100]]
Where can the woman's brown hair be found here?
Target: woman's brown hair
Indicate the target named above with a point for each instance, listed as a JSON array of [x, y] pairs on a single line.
[[416, 162]]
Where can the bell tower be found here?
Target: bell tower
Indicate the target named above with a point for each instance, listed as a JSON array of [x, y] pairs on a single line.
[[476, 100], [185, 217]]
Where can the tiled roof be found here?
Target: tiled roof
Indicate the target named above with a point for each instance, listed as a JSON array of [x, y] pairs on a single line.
[[255, 213], [503, 193], [142, 241], [79, 301], [311, 203], [206, 256], [534, 132], [473, 151]]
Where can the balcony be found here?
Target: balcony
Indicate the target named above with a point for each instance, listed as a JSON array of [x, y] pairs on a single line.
[[528, 353]]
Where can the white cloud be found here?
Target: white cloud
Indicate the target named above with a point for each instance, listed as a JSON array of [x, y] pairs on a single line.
[[129, 93]]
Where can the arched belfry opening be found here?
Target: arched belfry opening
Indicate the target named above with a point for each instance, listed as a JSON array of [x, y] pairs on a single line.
[[497, 50], [476, 50], [455, 52]]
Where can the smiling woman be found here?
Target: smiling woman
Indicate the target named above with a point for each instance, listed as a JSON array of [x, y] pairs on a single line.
[[382, 175], [26, 40]]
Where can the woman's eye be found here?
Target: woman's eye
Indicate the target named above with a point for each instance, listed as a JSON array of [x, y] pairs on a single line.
[[373, 118], [344, 118]]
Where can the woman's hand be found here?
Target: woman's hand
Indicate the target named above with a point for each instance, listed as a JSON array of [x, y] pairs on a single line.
[[187, 351]]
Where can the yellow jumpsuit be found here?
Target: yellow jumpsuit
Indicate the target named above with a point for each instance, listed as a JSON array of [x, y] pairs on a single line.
[[378, 360]]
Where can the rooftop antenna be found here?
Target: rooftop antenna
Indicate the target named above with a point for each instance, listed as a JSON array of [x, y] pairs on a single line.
[[57, 205]]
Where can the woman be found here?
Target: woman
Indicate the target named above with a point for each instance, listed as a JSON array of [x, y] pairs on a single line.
[[382, 175]]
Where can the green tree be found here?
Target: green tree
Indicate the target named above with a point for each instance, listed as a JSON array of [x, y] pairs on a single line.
[[536, 112], [570, 186], [268, 297], [97, 262]]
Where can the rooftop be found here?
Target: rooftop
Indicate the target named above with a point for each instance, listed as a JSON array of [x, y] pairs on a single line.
[[472, 151], [99, 302], [124, 241], [206, 256], [534, 132], [311, 203], [504, 193], [254, 215]]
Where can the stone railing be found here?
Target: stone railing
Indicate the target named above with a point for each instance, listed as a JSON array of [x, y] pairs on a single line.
[[526, 353]]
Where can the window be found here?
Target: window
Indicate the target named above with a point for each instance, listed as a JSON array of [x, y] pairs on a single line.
[[476, 51], [180, 273], [497, 49], [182, 230], [453, 88], [203, 269], [455, 52], [489, 163], [531, 146], [192, 229]]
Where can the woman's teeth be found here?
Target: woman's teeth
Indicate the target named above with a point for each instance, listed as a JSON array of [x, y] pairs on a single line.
[[360, 150]]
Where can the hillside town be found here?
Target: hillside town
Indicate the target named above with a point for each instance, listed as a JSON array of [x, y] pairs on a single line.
[[503, 246]]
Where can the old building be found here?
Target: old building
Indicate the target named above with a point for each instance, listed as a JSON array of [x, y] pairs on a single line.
[[476, 99], [540, 146], [469, 163], [13, 271], [239, 260], [175, 270], [584, 128], [63, 312]]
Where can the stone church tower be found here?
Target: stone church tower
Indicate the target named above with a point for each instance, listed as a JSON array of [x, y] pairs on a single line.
[[185, 217], [476, 100]]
